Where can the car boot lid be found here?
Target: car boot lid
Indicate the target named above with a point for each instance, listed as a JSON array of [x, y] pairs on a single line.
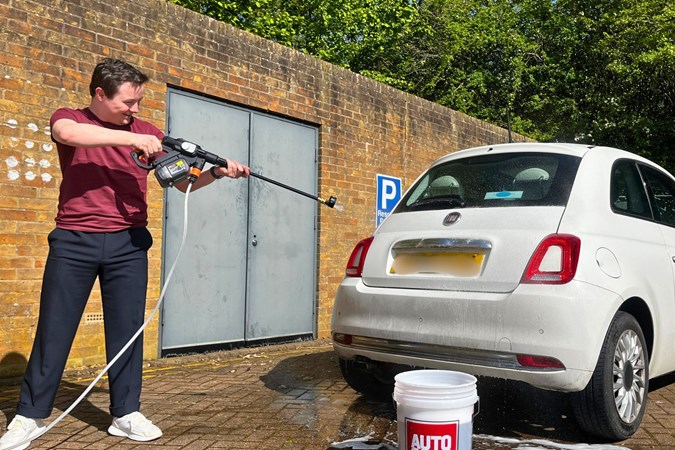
[[458, 250]]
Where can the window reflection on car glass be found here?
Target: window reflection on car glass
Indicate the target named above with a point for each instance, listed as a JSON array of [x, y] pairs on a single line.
[[662, 194], [627, 192]]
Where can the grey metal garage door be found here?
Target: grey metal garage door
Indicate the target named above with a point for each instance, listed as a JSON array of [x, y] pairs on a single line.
[[247, 271]]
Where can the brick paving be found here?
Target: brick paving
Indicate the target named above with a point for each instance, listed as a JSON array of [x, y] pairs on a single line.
[[291, 396]]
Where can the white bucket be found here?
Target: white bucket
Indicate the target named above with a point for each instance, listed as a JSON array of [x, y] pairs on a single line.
[[435, 409]]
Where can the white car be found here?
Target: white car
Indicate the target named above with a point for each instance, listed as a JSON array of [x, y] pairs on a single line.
[[552, 264]]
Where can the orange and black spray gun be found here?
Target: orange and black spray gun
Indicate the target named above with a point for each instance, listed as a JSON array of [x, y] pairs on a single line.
[[185, 160]]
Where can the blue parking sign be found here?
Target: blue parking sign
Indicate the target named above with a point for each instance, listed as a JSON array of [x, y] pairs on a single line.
[[388, 195]]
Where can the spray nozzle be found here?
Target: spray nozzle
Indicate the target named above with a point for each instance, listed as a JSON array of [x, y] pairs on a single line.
[[331, 203]]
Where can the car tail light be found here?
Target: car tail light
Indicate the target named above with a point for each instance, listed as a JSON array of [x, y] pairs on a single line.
[[554, 261], [540, 362], [358, 257]]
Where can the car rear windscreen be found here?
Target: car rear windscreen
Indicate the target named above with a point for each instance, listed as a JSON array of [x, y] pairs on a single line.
[[498, 180]]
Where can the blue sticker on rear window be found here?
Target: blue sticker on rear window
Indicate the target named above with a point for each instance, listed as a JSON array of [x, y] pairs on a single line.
[[503, 195]]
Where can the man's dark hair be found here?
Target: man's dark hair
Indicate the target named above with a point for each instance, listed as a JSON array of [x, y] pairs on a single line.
[[110, 73]]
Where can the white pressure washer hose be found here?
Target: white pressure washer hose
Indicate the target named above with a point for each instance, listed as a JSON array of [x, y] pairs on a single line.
[[128, 344]]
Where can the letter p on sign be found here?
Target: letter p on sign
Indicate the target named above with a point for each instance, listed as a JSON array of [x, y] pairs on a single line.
[[388, 195]]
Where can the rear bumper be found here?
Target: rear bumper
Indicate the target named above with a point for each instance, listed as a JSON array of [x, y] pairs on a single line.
[[478, 333]]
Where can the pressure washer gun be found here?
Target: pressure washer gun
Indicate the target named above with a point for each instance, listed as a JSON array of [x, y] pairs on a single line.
[[184, 160]]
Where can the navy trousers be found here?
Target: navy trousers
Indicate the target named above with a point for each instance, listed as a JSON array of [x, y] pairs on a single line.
[[75, 260]]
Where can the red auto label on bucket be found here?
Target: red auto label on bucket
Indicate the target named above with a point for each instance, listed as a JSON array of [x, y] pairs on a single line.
[[421, 435]]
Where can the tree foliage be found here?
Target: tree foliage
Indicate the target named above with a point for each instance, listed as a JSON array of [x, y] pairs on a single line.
[[592, 71], [634, 84], [348, 33]]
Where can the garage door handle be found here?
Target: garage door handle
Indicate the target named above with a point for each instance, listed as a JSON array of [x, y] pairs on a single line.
[[254, 242]]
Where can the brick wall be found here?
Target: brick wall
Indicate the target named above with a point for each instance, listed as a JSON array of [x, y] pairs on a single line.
[[48, 50]]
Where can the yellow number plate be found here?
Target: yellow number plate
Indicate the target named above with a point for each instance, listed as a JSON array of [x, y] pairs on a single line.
[[442, 263]]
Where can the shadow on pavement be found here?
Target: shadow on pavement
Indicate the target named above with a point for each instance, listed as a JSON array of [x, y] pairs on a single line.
[[11, 363], [302, 372], [514, 409], [68, 392], [85, 411], [661, 382]]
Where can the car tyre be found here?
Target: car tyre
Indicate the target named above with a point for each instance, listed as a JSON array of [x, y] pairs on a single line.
[[614, 401], [366, 382]]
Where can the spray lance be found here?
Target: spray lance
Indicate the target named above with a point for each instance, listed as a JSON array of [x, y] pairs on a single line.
[[185, 160]]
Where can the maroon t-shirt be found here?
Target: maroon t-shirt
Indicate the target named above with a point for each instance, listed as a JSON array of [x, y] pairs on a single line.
[[103, 190]]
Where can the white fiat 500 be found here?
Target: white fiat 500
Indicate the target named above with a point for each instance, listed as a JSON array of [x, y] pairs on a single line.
[[552, 264]]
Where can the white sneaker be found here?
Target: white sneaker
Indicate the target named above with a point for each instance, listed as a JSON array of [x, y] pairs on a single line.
[[21, 429], [134, 426]]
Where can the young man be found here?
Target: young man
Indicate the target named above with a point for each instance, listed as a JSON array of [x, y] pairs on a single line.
[[100, 233]]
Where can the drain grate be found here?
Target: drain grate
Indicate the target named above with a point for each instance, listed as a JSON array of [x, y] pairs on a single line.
[[93, 318]]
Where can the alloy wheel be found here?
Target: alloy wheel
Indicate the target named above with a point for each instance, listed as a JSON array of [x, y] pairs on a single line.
[[629, 376]]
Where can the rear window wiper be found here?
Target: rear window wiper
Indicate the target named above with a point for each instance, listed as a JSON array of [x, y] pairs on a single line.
[[444, 202]]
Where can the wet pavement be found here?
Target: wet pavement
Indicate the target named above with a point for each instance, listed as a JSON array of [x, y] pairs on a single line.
[[292, 396]]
